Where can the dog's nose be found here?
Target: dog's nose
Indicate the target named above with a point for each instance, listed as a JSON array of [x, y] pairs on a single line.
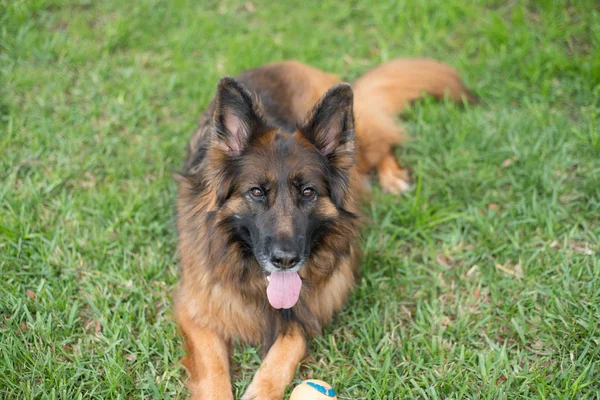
[[284, 259]]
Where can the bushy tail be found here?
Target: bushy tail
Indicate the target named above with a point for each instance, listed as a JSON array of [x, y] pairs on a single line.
[[384, 91], [396, 83]]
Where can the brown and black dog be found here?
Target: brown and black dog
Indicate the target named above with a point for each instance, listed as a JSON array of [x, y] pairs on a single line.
[[268, 209]]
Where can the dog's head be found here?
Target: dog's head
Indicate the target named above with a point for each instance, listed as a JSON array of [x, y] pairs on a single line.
[[281, 192]]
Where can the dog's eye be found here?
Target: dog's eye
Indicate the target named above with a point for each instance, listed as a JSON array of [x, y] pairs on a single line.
[[256, 193], [308, 193]]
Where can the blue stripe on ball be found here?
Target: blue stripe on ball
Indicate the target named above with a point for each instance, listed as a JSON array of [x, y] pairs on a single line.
[[322, 389]]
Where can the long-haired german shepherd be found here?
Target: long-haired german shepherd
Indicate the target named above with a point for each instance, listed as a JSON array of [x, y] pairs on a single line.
[[268, 208]]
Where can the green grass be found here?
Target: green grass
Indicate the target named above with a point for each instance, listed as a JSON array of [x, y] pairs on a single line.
[[482, 283]]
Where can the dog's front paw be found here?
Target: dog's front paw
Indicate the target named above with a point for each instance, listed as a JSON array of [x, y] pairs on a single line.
[[209, 390], [264, 389]]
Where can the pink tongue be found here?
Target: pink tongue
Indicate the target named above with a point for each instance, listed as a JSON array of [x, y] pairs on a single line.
[[284, 289]]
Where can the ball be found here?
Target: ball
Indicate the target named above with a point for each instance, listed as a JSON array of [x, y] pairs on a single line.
[[313, 389]]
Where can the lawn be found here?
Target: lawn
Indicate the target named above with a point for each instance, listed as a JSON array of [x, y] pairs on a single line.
[[483, 282]]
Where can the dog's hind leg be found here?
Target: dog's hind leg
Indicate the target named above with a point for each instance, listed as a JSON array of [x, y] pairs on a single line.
[[382, 93], [207, 361], [278, 368], [392, 178], [376, 135]]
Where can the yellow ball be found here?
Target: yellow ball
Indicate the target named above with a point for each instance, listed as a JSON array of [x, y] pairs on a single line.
[[313, 389]]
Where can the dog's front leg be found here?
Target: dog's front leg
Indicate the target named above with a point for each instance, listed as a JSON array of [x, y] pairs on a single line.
[[278, 368], [207, 361]]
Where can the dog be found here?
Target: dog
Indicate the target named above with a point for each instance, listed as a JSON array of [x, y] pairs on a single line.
[[268, 211]]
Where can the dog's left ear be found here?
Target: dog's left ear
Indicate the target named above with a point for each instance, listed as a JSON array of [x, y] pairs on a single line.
[[330, 125], [330, 128], [236, 117]]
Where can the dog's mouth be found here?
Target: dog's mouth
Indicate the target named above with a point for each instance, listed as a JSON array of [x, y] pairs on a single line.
[[283, 289], [283, 285]]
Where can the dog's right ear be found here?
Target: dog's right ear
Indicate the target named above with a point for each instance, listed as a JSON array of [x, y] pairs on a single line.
[[236, 117]]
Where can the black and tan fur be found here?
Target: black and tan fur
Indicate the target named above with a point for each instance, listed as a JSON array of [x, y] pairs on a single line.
[[306, 143]]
